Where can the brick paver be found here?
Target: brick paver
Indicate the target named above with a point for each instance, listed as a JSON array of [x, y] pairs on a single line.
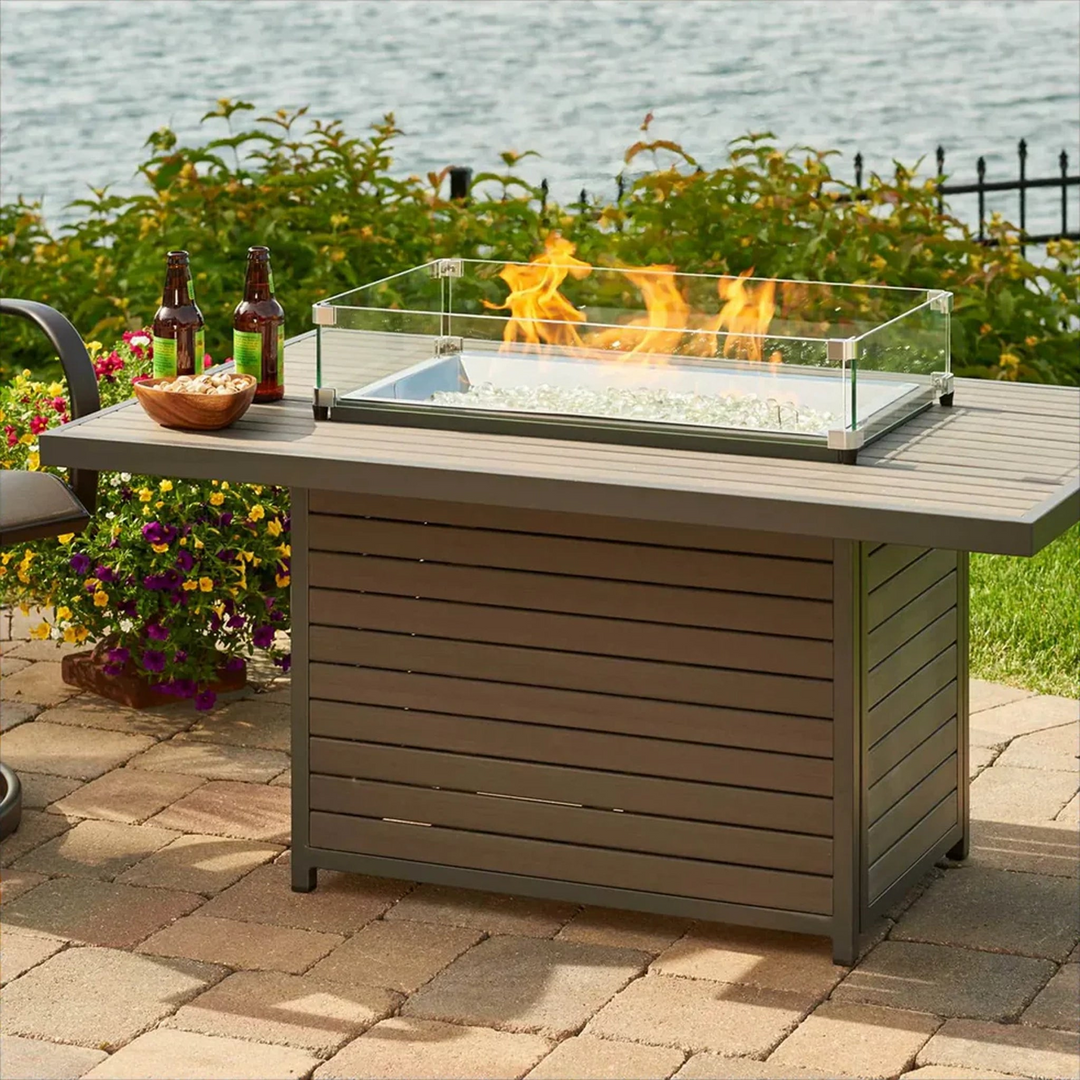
[[527, 984], [765, 958], [494, 913], [98, 912], [38, 684], [696, 1014], [228, 808], [945, 981], [1058, 1003], [35, 1059], [249, 946], [341, 904], [261, 721], [40, 790], [183, 1055], [585, 1057], [127, 795], [80, 753], [1008, 1048], [977, 908], [202, 864], [400, 956], [88, 711], [429, 1050], [639, 930], [214, 761], [20, 950], [100, 849], [865, 1041], [100, 997], [608, 993], [307, 1012]]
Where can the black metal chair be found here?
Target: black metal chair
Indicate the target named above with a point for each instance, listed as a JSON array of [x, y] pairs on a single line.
[[35, 505]]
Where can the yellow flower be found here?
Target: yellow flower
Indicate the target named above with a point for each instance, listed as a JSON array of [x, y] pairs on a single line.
[[257, 488], [217, 499], [1031, 340], [69, 634], [273, 527], [56, 390], [206, 584], [92, 347], [188, 586], [33, 460], [158, 505], [101, 598], [91, 583], [285, 550], [3, 571], [986, 328], [160, 548], [66, 538], [166, 485], [81, 634], [183, 541], [282, 580], [145, 494], [41, 631], [224, 485], [878, 263], [63, 613], [28, 439], [198, 544]]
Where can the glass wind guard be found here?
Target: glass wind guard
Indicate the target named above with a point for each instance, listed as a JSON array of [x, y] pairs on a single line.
[[558, 338]]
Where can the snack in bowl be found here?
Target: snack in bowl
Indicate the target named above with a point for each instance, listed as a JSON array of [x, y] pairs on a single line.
[[206, 402]]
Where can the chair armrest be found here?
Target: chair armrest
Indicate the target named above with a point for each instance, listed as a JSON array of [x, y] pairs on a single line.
[[78, 371]]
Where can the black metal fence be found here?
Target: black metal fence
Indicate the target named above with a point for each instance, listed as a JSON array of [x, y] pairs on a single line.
[[461, 179]]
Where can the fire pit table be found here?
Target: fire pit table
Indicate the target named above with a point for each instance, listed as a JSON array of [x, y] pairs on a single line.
[[730, 686]]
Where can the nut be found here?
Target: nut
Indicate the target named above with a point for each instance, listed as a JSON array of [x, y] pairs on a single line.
[[218, 383]]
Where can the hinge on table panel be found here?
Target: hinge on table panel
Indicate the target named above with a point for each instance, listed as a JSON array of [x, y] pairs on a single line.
[[943, 384], [940, 301], [447, 346], [840, 350], [846, 439], [447, 268], [323, 314], [325, 398]]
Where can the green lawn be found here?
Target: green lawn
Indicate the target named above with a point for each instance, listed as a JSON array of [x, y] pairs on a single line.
[[1025, 618]]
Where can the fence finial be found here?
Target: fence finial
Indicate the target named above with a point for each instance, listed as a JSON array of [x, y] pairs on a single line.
[[980, 171], [858, 171], [543, 195]]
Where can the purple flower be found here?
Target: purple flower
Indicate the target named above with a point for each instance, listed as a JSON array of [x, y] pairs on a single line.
[[119, 656], [153, 660], [205, 700], [127, 607], [225, 520], [234, 663], [112, 669], [157, 632], [185, 560], [156, 533], [277, 616], [236, 622], [171, 578], [226, 555], [104, 574], [270, 601], [90, 586], [114, 542], [263, 636], [80, 563], [179, 656], [154, 582], [284, 662], [185, 688], [215, 622], [126, 493]]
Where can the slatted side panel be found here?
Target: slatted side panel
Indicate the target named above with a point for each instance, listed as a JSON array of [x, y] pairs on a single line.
[[911, 723], [562, 696]]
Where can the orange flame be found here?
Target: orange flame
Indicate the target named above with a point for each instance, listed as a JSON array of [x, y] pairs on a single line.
[[540, 314], [538, 311]]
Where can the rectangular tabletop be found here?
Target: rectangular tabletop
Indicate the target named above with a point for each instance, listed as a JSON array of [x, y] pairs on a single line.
[[998, 472]]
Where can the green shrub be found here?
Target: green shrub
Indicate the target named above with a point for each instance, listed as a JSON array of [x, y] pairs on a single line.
[[336, 217]]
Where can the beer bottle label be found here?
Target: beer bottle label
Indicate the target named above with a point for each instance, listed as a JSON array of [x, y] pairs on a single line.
[[191, 290], [273, 291], [200, 348], [247, 353], [281, 354], [164, 358]]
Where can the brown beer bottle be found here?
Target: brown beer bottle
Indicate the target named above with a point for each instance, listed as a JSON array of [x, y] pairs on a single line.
[[179, 328], [259, 329]]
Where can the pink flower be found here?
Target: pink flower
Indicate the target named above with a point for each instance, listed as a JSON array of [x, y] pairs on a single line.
[[59, 404], [38, 424], [207, 361], [12, 435]]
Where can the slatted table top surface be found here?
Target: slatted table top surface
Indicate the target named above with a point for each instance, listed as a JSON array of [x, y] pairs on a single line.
[[998, 472]]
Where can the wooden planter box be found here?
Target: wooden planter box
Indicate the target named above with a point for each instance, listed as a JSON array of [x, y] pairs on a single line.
[[723, 724]]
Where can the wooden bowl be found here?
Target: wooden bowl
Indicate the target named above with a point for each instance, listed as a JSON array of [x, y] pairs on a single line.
[[194, 412]]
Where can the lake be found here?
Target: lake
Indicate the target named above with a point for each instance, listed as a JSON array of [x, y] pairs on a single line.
[[85, 81]]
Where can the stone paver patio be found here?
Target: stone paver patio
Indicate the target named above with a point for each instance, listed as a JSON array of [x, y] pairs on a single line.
[[147, 930]]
